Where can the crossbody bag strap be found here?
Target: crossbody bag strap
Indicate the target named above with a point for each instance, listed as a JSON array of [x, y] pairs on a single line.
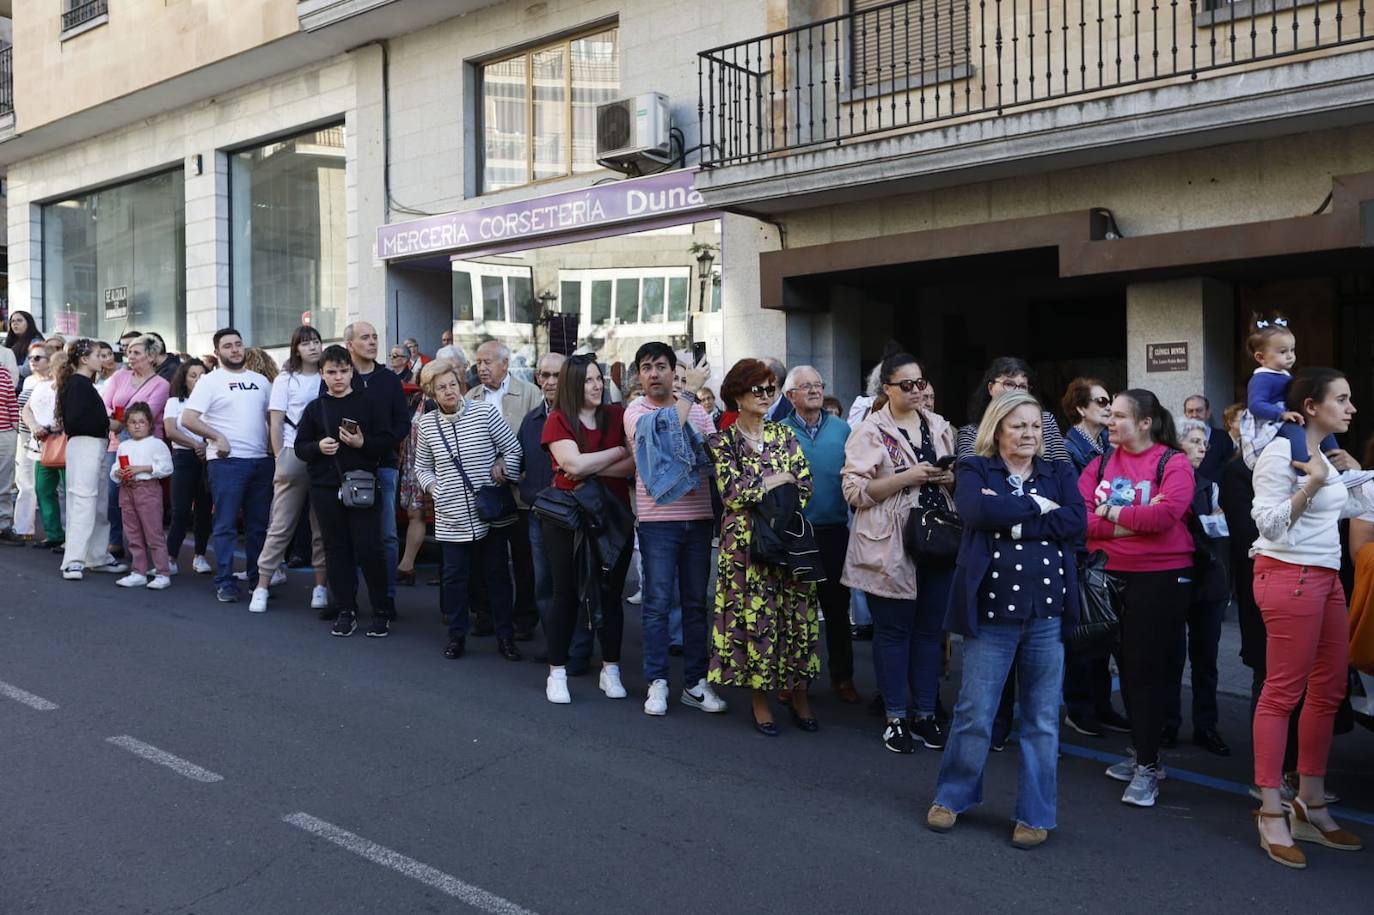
[[453, 455]]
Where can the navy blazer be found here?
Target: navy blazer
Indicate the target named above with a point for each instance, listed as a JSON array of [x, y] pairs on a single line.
[[984, 515]]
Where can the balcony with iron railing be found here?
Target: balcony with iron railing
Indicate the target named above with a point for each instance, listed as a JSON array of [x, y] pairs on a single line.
[[6, 82], [885, 69], [80, 13]]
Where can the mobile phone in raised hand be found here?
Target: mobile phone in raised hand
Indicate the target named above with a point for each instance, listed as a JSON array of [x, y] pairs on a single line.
[[698, 352]]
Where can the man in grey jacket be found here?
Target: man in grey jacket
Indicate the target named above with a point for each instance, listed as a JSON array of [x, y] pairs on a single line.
[[516, 399]]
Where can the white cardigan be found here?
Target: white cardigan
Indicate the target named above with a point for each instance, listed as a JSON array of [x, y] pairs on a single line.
[[478, 435], [1314, 539]]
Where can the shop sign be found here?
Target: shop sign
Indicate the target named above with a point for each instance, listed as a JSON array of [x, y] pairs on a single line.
[[116, 303], [1166, 357], [633, 200], [69, 323]]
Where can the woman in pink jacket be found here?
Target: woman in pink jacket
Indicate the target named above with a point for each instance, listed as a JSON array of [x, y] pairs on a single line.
[[1137, 512]]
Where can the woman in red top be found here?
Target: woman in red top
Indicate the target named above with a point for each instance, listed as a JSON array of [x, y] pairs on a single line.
[[1137, 513], [585, 438]]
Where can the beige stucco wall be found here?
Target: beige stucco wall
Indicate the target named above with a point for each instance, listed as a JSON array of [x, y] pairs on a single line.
[[144, 43]]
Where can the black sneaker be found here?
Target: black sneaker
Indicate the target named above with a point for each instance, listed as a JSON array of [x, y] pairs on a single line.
[[380, 628], [896, 737], [1084, 724], [1112, 720], [345, 625], [929, 731]]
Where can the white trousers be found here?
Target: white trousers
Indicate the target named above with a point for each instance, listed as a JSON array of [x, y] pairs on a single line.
[[88, 497], [26, 503]]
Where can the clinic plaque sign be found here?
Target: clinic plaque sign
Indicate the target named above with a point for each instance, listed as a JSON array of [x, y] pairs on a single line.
[[1166, 357], [635, 200]]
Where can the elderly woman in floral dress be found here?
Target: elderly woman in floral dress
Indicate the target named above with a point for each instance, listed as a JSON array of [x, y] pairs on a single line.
[[765, 628]]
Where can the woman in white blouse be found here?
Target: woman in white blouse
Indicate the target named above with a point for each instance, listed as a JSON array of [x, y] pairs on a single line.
[[1297, 509]]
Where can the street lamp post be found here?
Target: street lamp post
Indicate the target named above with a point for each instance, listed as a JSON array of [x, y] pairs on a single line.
[[547, 298], [705, 258]]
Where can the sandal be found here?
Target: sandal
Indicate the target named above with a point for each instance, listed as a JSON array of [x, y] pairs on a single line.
[[1287, 855], [1307, 831]]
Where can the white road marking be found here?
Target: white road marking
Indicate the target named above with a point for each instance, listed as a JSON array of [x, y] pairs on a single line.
[[29, 699], [163, 758], [474, 896]]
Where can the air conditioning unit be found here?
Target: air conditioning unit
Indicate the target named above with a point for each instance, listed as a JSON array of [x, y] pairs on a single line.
[[632, 131]]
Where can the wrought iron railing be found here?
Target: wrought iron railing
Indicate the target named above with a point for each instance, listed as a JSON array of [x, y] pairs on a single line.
[[81, 13], [885, 67], [6, 81]]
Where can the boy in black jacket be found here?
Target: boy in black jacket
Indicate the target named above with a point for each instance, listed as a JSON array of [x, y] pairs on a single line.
[[339, 432]]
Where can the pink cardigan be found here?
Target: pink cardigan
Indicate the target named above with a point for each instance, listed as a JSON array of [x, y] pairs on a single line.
[[123, 389]]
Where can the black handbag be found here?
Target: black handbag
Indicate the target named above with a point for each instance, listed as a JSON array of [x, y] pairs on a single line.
[[1099, 602], [558, 507], [932, 535], [494, 502]]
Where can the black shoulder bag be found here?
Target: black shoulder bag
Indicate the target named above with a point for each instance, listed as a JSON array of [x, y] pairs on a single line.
[[931, 535], [357, 488], [494, 502]]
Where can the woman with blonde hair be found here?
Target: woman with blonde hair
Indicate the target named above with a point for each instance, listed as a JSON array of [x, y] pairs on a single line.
[[1014, 598]]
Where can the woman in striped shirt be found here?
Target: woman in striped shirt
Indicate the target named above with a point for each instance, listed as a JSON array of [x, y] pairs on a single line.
[[457, 448]]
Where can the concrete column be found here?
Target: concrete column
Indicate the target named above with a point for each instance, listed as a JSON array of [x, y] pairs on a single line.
[[746, 328], [368, 291], [1197, 312], [207, 254]]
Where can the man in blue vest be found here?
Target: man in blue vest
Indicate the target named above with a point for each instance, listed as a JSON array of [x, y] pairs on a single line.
[[822, 438]]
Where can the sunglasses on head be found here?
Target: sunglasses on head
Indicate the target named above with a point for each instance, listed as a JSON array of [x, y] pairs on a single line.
[[764, 390], [909, 384]]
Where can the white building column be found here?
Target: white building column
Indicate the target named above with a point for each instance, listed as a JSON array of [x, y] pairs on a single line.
[[207, 252], [746, 328], [1197, 314]]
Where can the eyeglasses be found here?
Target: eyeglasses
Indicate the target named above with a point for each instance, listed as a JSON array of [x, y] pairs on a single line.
[[762, 390], [1103, 402], [810, 386], [909, 384], [547, 376], [1013, 384], [399, 355]]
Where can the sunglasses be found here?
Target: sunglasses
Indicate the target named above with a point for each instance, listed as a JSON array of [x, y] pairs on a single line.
[[764, 390], [1103, 402], [909, 384]]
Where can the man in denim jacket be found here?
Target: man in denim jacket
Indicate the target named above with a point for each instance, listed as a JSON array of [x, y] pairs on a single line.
[[675, 522]]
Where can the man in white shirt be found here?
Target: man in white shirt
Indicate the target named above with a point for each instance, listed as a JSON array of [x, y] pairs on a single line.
[[228, 408], [515, 399]]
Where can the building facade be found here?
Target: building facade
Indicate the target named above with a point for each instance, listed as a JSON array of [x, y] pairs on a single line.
[[1100, 193]]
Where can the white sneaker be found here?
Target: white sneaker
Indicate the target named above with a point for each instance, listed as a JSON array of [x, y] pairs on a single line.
[[556, 689], [159, 583], [172, 568], [111, 568], [636, 598], [241, 575], [73, 572], [319, 598], [703, 697], [657, 703], [278, 577], [258, 603], [133, 580], [610, 682], [202, 566]]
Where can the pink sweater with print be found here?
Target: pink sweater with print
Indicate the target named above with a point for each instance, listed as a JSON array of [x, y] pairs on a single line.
[[1161, 540]]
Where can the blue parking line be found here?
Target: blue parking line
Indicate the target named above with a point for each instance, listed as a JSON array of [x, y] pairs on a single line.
[[1206, 781]]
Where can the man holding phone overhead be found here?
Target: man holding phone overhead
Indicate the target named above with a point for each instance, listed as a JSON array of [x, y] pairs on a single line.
[[228, 408]]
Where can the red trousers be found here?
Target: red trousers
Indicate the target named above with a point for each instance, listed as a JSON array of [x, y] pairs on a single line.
[[1308, 649], [140, 502]]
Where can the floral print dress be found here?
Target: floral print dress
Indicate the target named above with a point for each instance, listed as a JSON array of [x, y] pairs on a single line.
[[764, 628]]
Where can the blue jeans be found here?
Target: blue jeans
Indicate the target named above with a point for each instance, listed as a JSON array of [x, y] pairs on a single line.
[[859, 614], [908, 644], [239, 483], [675, 620], [580, 650], [112, 507], [676, 556], [1040, 673], [388, 478], [458, 562]]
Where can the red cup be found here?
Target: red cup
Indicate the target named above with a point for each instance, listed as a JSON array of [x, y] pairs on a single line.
[[119, 414], [123, 462]]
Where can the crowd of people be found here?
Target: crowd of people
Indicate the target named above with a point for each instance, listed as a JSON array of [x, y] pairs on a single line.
[[891, 525]]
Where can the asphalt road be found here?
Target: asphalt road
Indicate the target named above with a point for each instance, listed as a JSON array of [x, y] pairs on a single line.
[[316, 774]]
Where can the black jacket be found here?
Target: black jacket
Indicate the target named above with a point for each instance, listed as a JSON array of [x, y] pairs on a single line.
[[1219, 451], [783, 536], [387, 393], [321, 419], [83, 412]]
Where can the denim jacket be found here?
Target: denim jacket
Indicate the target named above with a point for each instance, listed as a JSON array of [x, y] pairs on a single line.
[[670, 456]]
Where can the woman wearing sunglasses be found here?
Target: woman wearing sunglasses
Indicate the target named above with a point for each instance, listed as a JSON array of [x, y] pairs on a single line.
[[764, 629], [891, 468], [1089, 408]]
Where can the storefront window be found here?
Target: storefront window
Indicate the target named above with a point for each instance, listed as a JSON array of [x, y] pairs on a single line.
[[115, 260], [539, 109], [289, 225]]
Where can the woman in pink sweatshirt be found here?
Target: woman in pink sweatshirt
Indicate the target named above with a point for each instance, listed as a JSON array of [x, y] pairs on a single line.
[[1137, 513]]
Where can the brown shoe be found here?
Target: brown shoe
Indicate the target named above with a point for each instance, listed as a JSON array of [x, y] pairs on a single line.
[[1024, 836], [1306, 831], [941, 819], [1287, 855], [846, 691]]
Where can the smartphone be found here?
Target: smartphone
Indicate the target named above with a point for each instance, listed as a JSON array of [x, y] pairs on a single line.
[[946, 462], [698, 352], [349, 425]]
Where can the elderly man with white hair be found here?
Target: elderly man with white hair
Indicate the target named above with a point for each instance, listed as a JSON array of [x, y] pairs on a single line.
[[515, 399]]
